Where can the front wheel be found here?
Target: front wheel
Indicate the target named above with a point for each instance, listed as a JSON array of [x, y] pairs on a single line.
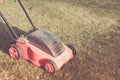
[[50, 66]]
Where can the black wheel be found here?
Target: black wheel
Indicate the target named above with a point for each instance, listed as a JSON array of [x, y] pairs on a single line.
[[50, 66], [72, 47], [14, 51]]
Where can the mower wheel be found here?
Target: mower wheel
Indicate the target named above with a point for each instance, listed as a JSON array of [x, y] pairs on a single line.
[[14, 51], [72, 47], [50, 66]]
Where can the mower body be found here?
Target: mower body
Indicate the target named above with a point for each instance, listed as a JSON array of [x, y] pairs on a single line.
[[39, 46]]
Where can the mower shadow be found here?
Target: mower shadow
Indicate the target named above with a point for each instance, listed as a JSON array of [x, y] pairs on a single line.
[[5, 39]]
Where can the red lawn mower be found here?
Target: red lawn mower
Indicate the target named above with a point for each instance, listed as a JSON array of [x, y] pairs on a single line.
[[40, 47]]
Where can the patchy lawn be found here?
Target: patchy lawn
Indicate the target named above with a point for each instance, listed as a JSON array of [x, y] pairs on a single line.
[[92, 25]]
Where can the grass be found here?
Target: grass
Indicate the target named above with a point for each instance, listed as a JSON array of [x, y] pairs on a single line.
[[92, 25]]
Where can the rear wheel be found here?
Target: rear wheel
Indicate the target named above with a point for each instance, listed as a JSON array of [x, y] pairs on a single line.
[[50, 66], [72, 47], [14, 51]]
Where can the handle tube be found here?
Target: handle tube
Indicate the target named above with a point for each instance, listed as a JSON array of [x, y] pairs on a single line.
[[8, 26], [26, 14]]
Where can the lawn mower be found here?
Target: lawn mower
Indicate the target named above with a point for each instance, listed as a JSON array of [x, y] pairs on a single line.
[[39, 46]]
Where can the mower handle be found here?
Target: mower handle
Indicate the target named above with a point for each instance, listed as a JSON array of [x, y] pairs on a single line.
[[0, 13], [29, 19], [9, 27]]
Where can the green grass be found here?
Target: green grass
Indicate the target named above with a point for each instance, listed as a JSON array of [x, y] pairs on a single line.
[[92, 25]]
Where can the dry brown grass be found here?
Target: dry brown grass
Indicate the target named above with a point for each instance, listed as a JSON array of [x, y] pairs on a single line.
[[92, 25]]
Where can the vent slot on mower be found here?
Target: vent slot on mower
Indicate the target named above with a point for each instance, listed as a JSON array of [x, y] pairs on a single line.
[[58, 48]]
